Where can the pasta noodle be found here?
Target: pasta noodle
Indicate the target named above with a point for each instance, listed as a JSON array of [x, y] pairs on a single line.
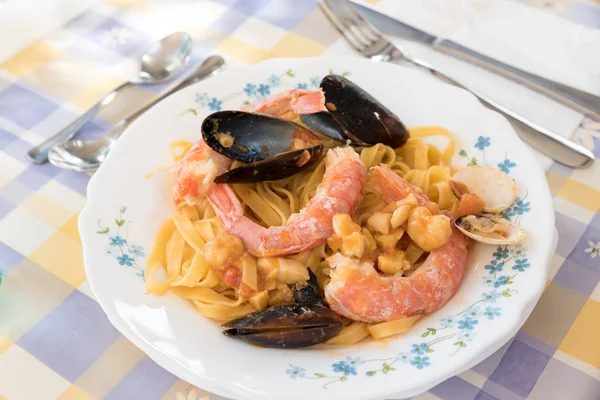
[[180, 259]]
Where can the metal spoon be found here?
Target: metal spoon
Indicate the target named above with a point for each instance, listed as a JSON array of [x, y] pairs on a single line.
[[86, 155], [163, 60]]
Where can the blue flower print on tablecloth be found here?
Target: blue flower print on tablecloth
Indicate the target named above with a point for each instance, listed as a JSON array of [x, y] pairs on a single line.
[[594, 249]]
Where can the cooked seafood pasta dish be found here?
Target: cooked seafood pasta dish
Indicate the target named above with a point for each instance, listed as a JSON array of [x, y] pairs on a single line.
[[316, 216]]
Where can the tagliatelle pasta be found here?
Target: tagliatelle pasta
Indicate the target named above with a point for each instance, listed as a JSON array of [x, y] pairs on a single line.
[[178, 263]]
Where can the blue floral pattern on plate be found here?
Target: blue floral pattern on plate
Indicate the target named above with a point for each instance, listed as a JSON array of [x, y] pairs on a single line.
[[460, 327], [254, 91], [126, 254]]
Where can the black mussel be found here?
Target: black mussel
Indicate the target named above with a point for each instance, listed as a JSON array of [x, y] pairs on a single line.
[[307, 293], [324, 123], [272, 168], [252, 137], [286, 326], [364, 118]]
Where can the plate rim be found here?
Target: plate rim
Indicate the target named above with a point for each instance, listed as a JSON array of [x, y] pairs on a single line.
[[237, 390]]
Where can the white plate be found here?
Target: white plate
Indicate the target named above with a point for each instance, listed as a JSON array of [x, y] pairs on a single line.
[[487, 310]]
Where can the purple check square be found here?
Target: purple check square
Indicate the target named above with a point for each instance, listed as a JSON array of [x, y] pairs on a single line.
[[85, 21], [62, 118], [146, 381], [520, 368], [19, 148], [228, 3], [32, 178], [595, 222], [249, 7], [117, 37], [24, 107], [587, 250], [71, 337], [286, 14], [484, 396], [5, 207], [229, 21], [577, 277], [6, 138], [455, 388], [9, 257], [569, 232], [74, 180], [585, 14], [3, 83], [15, 191]]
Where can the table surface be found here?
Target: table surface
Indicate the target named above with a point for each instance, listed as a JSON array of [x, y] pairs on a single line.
[[55, 341]]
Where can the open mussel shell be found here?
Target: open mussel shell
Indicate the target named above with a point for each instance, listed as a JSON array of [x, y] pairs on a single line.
[[273, 168], [364, 119], [490, 229], [324, 123], [252, 137], [286, 326], [497, 190]]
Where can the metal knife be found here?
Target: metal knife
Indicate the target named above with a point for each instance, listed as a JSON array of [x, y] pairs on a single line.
[[578, 100]]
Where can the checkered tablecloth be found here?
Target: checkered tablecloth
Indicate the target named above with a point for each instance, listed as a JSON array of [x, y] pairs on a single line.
[[55, 341]]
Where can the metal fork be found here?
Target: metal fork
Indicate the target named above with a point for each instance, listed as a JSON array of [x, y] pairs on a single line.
[[371, 43]]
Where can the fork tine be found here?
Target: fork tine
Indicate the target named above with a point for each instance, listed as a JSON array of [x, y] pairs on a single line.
[[338, 22], [361, 21], [346, 18]]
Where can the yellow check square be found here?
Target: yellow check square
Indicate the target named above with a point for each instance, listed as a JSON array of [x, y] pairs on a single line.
[[580, 194], [29, 59], [242, 51], [294, 45], [5, 343], [582, 339], [63, 257], [47, 210], [74, 393]]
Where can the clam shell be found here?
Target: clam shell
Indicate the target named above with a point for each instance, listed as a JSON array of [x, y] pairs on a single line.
[[497, 190], [515, 234]]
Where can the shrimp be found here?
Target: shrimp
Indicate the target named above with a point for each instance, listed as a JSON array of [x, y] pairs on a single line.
[[196, 171], [341, 192], [394, 188], [359, 292], [298, 101]]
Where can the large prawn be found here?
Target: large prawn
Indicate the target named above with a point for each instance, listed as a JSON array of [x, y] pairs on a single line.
[[359, 292], [340, 192], [196, 171]]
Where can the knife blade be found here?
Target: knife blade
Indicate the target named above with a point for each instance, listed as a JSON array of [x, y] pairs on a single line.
[[583, 102]]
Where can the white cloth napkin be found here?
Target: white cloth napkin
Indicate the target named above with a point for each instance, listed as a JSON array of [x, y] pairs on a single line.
[[510, 32], [22, 22]]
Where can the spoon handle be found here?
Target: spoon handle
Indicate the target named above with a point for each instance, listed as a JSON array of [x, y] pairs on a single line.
[[207, 68], [39, 154]]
